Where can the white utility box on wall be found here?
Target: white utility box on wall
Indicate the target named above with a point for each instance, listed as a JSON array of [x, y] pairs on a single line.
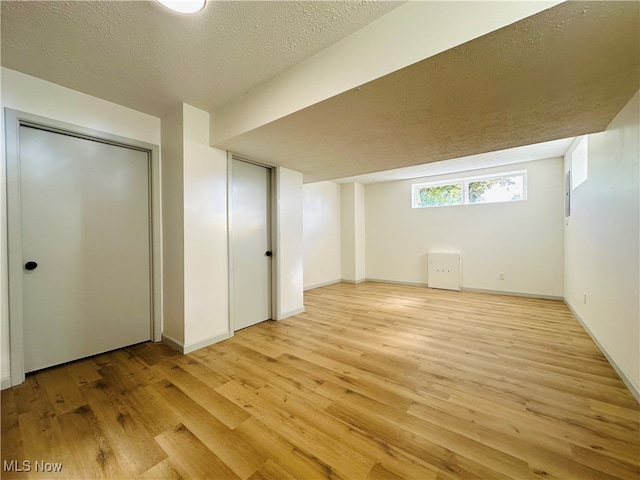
[[445, 270]]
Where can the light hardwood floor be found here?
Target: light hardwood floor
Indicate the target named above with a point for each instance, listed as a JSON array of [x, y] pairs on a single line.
[[374, 381]]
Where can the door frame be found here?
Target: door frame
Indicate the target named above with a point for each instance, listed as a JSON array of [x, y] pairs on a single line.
[[14, 119], [272, 220]]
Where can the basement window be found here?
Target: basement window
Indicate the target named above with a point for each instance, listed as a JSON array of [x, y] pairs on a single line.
[[506, 187], [579, 163]]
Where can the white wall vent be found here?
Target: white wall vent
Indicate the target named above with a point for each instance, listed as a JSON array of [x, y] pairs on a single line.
[[444, 270]]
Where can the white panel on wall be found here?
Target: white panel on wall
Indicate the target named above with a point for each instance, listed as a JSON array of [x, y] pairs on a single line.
[[444, 270]]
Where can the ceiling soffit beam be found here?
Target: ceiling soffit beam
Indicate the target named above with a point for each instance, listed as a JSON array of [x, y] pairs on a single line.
[[408, 34]]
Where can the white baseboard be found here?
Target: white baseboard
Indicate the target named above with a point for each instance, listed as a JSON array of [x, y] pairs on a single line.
[[344, 280], [513, 294], [396, 282], [633, 387], [282, 316], [192, 347], [5, 383], [318, 285], [477, 290]]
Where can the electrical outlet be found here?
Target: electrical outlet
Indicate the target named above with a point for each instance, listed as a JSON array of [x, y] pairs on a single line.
[[584, 298], [501, 275]]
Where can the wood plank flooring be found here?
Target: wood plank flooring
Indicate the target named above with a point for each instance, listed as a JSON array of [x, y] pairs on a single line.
[[374, 381]]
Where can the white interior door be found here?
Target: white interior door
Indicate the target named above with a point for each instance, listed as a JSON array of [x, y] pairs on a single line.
[[251, 244], [85, 222]]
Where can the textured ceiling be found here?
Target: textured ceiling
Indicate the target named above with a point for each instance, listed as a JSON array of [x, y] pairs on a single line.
[[561, 73], [139, 54], [564, 72]]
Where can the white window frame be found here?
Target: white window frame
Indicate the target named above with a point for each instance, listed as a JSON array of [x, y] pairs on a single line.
[[464, 182]]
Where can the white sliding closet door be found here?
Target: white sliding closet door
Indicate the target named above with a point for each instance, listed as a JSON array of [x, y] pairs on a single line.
[[250, 244], [85, 222]]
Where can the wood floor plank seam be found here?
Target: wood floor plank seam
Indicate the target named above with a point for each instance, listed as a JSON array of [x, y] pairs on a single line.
[[373, 381]]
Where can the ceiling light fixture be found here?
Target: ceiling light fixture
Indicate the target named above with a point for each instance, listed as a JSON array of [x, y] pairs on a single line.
[[184, 6]]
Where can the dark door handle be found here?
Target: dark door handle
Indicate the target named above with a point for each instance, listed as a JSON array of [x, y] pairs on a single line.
[[268, 253], [30, 266]]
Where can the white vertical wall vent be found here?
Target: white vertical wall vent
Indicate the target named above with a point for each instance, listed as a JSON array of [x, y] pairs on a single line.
[[444, 270]]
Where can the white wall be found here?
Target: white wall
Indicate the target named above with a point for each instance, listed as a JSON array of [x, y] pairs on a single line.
[[352, 226], [522, 239], [321, 233], [360, 231], [602, 243], [35, 96], [289, 253], [195, 251], [348, 233], [173, 225], [206, 276]]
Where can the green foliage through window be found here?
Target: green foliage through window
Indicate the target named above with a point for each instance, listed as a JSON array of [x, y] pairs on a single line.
[[440, 195], [506, 187]]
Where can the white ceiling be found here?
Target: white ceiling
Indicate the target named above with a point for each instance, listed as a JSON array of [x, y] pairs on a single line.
[[561, 73], [139, 54], [510, 156]]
